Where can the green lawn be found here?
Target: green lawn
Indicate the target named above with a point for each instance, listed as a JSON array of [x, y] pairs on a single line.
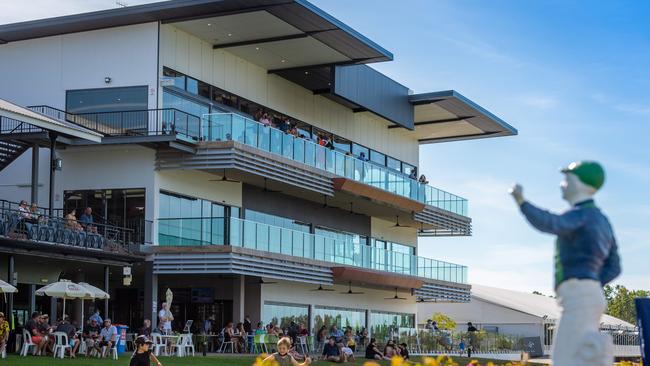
[[173, 361]]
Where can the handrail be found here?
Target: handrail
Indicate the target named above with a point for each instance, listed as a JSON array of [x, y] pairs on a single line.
[[41, 227], [235, 127], [255, 235]]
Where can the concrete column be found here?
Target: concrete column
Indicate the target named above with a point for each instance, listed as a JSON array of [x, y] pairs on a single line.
[[238, 298], [107, 279], [35, 162], [53, 310], [368, 324], [53, 137], [31, 295], [10, 297], [150, 294]]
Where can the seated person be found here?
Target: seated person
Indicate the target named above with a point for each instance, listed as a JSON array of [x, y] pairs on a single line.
[[331, 351], [145, 330], [70, 330], [347, 352], [302, 331], [32, 328], [282, 357], [45, 329], [107, 338], [390, 350], [86, 220], [351, 343], [336, 333], [260, 329], [4, 333], [71, 221], [403, 351], [372, 352], [90, 335]]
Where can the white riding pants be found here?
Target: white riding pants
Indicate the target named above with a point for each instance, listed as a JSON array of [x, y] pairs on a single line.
[[577, 339]]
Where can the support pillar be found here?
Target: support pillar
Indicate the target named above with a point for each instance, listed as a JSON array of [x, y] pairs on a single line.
[[77, 304], [106, 289], [368, 324], [35, 163], [31, 294], [10, 297], [150, 294], [53, 137], [238, 298], [53, 310]]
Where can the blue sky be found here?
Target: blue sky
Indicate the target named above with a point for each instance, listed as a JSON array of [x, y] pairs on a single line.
[[572, 77]]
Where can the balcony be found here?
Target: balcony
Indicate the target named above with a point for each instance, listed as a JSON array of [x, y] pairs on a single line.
[[233, 127], [38, 230], [194, 232]]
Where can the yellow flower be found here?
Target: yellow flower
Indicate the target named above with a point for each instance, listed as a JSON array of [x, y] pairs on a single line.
[[370, 363], [396, 361]]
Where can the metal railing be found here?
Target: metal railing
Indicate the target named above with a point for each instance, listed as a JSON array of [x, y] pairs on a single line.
[[11, 126], [274, 239], [147, 122], [234, 127], [16, 223]]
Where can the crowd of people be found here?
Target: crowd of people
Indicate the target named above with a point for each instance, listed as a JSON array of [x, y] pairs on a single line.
[[30, 215], [98, 336]]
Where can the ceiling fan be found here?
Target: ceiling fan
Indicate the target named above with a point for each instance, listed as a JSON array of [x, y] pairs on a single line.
[[224, 178], [396, 297], [265, 189], [397, 222], [261, 281], [321, 288], [350, 292]]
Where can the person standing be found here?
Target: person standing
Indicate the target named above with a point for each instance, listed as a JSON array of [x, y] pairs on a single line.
[[586, 258], [165, 318], [4, 333]]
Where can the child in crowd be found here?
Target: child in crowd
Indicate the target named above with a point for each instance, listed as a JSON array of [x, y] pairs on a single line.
[[282, 356], [143, 355]]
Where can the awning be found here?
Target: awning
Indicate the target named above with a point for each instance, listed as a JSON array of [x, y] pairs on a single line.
[[21, 114], [449, 116], [377, 194]]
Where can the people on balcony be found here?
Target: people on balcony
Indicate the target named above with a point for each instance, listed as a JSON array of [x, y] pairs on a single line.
[[71, 221], [423, 179], [86, 220]]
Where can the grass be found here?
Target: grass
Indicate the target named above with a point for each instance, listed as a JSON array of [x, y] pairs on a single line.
[[174, 361]]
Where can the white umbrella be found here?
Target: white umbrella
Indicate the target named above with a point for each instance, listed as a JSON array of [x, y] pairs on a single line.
[[6, 288], [64, 289], [96, 292]]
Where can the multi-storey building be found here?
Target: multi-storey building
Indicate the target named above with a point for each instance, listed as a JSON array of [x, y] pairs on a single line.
[[153, 116]]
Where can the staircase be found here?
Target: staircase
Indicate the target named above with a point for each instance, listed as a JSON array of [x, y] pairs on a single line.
[[10, 151]]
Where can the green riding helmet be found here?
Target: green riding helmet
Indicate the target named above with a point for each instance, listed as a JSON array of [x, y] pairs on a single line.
[[589, 172]]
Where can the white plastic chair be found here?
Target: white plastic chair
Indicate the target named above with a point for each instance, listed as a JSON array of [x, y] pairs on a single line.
[[188, 344], [60, 344], [27, 344], [158, 344], [178, 347], [302, 344]]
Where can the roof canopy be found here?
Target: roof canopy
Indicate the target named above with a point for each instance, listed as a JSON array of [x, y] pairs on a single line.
[[21, 114], [449, 116]]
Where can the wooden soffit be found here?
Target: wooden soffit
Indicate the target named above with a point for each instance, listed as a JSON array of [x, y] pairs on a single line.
[[368, 276], [377, 194]]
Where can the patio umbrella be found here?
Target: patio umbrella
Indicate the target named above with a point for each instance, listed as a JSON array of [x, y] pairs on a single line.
[[64, 289], [6, 288], [96, 292]]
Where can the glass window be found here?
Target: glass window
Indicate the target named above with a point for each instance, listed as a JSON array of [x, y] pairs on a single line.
[[394, 164], [386, 325], [282, 314], [341, 144], [172, 100], [377, 157], [223, 97], [273, 220], [204, 90], [341, 317], [133, 98], [192, 85], [407, 168], [179, 79], [360, 152]]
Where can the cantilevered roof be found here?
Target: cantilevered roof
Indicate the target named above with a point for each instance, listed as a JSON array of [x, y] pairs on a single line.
[[301, 22], [449, 116], [17, 113]]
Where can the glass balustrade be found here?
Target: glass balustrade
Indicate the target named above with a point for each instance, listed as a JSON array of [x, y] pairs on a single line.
[[274, 239], [230, 126]]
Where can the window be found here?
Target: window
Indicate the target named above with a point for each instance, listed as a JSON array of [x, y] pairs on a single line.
[[407, 168], [358, 150], [341, 317], [190, 221], [282, 314], [177, 77], [377, 157], [132, 98], [341, 144], [192, 85], [204, 90], [225, 98], [173, 100], [276, 221], [394, 164], [385, 324]]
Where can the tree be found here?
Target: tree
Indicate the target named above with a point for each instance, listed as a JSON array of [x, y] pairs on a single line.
[[443, 321], [620, 302]]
